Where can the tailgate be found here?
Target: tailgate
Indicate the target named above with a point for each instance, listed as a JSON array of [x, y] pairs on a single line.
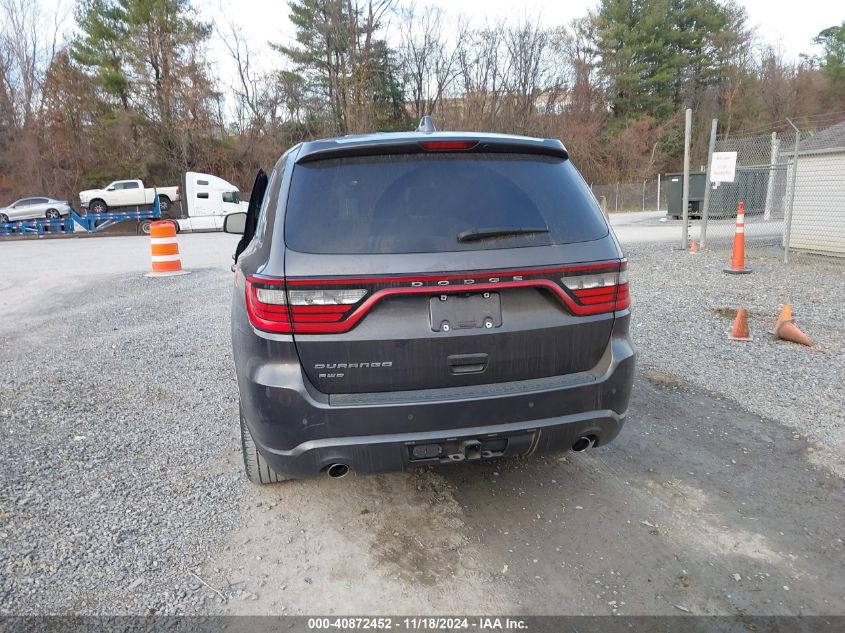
[[433, 331]]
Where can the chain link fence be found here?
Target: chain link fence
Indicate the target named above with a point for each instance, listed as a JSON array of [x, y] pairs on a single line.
[[632, 196], [792, 185]]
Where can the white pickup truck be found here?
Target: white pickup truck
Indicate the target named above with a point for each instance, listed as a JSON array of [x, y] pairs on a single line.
[[127, 193]]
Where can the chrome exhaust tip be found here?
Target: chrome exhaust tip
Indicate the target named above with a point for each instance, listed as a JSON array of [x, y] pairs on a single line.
[[336, 471], [582, 444]]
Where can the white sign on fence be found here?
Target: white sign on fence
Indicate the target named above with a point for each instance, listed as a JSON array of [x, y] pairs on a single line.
[[723, 168]]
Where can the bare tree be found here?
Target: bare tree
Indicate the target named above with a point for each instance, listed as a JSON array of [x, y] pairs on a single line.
[[365, 20], [257, 95], [533, 72], [28, 44], [776, 86], [483, 64], [577, 44], [429, 59]]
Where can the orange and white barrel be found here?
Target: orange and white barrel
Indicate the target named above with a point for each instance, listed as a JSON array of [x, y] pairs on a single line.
[[165, 250]]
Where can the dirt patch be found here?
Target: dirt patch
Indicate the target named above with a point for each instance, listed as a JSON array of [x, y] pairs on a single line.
[[725, 313], [375, 544], [730, 313], [662, 379], [421, 540]]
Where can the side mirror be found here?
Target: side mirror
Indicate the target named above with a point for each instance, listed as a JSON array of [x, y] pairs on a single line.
[[110, 189], [234, 223]]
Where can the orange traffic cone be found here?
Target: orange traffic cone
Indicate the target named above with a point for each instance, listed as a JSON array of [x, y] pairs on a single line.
[[740, 332], [737, 266], [785, 315], [788, 331], [693, 246]]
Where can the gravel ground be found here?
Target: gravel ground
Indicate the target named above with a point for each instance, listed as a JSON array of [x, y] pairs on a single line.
[[114, 425], [684, 307], [121, 488]]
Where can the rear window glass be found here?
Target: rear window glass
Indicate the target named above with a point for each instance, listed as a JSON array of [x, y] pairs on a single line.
[[421, 203]]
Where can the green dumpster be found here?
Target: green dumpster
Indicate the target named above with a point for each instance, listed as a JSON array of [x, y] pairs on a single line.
[[675, 193]]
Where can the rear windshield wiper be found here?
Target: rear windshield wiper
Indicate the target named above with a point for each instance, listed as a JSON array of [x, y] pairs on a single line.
[[482, 234]]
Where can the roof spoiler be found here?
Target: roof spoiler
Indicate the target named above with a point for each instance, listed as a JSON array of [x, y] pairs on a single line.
[[410, 143]]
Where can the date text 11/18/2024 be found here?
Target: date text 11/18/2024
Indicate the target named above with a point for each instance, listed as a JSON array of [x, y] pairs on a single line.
[[419, 623]]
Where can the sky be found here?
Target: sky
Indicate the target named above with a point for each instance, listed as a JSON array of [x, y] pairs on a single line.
[[787, 24]]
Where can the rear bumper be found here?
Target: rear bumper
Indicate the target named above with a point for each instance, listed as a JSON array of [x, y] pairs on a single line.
[[300, 431], [380, 453]]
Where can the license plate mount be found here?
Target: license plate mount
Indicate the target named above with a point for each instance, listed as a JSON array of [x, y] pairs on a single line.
[[465, 312]]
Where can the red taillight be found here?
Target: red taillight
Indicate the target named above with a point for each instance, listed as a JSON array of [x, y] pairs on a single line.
[[600, 291], [623, 294], [273, 308], [447, 146], [266, 315]]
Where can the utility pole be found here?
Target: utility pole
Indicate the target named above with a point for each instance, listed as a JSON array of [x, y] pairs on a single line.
[[685, 199], [770, 186], [788, 219], [705, 212], [657, 206]]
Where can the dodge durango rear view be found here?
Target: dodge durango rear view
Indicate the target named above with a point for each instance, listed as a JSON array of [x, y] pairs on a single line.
[[427, 297]]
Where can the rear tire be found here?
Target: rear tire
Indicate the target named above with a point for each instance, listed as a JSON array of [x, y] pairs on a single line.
[[3, 218], [144, 227], [164, 204], [257, 470], [53, 214]]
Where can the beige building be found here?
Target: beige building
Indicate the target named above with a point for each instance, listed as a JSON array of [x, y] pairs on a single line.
[[818, 212]]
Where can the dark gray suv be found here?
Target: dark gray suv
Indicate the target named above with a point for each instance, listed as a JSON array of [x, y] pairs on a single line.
[[425, 297]]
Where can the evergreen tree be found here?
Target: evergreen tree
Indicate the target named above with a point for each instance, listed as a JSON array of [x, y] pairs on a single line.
[[832, 39], [343, 57], [146, 55], [659, 55], [102, 47]]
